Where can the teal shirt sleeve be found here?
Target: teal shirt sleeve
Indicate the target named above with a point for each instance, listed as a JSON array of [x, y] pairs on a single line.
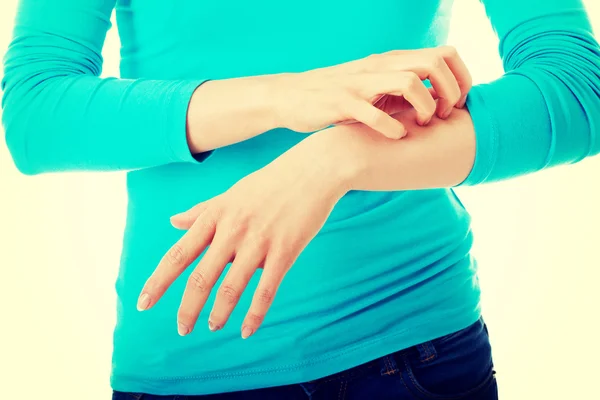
[[545, 110], [59, 115]]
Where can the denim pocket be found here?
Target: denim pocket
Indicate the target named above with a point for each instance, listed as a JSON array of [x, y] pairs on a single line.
[[454, 367]]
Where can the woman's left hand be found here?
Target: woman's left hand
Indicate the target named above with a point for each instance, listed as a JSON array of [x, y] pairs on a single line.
[[263, 221]]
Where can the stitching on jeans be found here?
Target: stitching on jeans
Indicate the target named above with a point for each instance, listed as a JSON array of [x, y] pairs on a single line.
[[395, 368], [329, 379], [430, 352], [386, 361], [469, 392], [334, 377], [135, 396], [425, 347], [351, 373], [390, 366], [342, 393], [404, 383], [431, 357]]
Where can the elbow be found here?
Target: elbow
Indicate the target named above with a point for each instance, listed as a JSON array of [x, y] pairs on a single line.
[[22, 128], [15, 135], [561, 56], [576, 106], [570, 86], [17, 150], [27, 124], [38, 70]]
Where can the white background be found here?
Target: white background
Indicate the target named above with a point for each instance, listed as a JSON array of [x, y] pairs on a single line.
[[537, 242]]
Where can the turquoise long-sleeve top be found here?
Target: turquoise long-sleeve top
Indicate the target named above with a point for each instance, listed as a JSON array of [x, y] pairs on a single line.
[[388, 269]]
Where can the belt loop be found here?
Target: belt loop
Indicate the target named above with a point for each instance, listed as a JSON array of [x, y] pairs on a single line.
[[427, 351], [388, 365]]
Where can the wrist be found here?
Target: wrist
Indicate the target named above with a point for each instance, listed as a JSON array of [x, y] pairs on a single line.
[[261, 101], [341, 156], [227, 111], [273, 94]]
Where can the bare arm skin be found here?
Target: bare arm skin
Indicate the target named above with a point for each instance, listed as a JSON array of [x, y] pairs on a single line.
[[440, 154], [286, 203], [364, 90]]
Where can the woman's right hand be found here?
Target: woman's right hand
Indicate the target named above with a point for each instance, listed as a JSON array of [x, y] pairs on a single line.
[[227, 111], [353, 91]]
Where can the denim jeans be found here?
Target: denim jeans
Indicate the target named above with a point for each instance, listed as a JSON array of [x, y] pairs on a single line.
[[454, 367]]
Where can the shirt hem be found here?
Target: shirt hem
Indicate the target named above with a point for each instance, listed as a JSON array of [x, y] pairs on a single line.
[[307, 370]]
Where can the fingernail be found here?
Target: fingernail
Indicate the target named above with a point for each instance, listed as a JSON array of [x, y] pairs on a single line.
[[143, 302], [182, 329], [461, 102], [213, 327], [425, 121], [447, 113], [246, 332]]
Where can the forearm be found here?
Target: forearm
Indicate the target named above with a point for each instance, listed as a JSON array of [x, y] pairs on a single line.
[[543, 112], [440, 154], [60, 115], [210, 124]]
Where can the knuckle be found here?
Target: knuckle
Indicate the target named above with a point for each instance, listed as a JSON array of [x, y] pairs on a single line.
[[375, 60], [436, 62], [207, 221], [448, 51], [284, 253], [337, 105], [198, 281], [467, 82], [412, 81], [431, 107], [238, 228], [176, 256], [265, 296], [230, 294], [373, 57], [254, 319], [455, 96], [344, 102], [259, 241], [376, 118], [214, 214]]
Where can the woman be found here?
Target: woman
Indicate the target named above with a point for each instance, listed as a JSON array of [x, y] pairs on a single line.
[[365, 286]]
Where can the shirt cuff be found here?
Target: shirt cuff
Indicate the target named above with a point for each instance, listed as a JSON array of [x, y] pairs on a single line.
[[177, 123], [485, 138]]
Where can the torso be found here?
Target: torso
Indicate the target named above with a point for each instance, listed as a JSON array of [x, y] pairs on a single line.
[[388, 270]]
